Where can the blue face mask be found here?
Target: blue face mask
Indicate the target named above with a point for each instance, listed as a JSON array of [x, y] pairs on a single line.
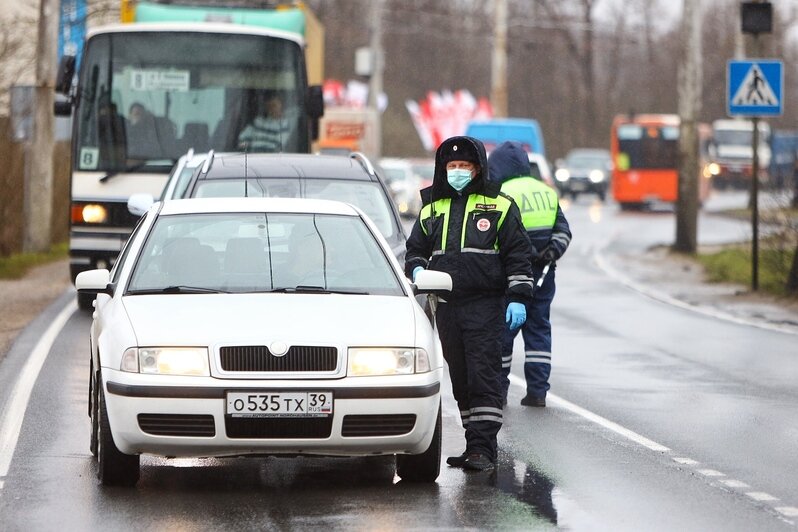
[[458, 178]]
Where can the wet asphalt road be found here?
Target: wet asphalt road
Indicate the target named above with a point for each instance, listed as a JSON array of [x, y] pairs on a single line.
[[716, 400]]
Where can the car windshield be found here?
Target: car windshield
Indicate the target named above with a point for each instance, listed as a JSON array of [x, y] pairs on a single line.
[[365, 195], [262, 252]]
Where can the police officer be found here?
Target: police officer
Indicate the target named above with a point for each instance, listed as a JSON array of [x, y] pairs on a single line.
[[470, 230], [550, 236]]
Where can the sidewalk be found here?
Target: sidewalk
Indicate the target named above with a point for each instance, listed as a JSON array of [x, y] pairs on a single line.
[[21, 300]]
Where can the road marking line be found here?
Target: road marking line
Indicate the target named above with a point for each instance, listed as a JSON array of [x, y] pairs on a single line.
[[595, 418], [14, 414], [711, 473], [685, 461], [789, 511], [735, 483], [761, 496]]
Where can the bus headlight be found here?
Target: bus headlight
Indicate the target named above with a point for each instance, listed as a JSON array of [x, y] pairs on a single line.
[[714, 169], [91, 213], [596, 176], [562, 175]]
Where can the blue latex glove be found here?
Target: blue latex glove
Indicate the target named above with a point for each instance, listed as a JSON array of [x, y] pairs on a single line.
[[415, 271], [516, 315]]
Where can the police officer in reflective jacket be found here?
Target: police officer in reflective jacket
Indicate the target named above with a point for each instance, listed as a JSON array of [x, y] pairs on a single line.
[[550, 236], [470, 230]]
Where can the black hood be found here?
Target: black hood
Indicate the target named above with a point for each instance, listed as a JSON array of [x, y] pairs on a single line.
[[507, 161], [464, 149]]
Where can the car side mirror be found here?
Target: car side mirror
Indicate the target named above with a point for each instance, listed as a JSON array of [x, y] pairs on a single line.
[[432, 282], [139, 204], [94, 282]]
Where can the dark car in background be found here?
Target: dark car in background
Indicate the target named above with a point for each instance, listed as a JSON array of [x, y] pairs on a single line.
[[584, 170], [351, 179]]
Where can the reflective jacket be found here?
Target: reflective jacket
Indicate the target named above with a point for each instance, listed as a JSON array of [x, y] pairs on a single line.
[[541, 214], [476, 236]]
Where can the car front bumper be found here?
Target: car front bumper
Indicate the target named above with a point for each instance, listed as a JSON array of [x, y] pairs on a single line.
[[392, 419]]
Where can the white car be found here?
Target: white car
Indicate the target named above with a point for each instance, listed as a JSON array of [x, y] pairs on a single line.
[[236, 326]]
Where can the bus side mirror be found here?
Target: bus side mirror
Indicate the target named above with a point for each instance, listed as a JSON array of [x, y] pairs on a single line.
[[62, 108], [66, 72], [314, 102]]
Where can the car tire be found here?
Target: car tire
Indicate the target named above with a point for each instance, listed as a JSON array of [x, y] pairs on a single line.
[[85, 301], [602, 196], [424, 467], [114, 467], [93, 411], [574, 195]]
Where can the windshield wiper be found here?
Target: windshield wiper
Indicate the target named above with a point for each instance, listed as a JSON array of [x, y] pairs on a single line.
[[131, 168], [305, 289], [179, 289]]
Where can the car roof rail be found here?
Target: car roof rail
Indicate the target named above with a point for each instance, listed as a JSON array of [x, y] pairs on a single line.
[[208, 162], [364, 162], [190, 154]]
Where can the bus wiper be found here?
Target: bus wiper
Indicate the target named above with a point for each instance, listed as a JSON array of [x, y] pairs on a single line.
[[306, 289], [132, 168], [179, 289]]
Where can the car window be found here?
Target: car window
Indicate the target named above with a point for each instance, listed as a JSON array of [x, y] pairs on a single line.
[[115, 271], [365, 195], [257, 252], [252, 188]]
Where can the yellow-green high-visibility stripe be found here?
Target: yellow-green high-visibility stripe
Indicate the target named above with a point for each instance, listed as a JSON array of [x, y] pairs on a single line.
[[502, 205], [536, 200]]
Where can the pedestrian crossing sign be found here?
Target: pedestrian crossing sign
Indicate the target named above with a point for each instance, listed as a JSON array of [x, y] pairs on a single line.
[[755, 88]]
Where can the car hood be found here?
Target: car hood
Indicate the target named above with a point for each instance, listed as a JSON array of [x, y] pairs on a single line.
[[259, 319]]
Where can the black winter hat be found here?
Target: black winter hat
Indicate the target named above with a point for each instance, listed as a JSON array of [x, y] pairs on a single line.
[[459, 149]]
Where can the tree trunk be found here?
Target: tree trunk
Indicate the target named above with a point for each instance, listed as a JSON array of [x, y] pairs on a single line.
[[792, 278]]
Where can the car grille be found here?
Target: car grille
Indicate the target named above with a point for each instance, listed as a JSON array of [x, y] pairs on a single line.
[[278, 427], [378, 425], [299, 358], [177, 425]]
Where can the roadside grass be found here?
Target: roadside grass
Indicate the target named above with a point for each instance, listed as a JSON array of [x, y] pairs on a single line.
[[16, 266], [733, 265]]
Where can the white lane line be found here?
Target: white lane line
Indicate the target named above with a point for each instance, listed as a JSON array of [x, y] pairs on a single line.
[[595, 418], [761, 496], [610, 270], [11, 422], [711, 473], [735, 483]]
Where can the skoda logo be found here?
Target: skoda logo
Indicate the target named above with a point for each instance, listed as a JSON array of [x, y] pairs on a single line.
[[278, 349]]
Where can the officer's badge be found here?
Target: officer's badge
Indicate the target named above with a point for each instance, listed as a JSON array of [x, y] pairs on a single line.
[[483, 224]]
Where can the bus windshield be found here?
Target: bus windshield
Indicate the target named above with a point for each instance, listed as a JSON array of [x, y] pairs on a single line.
[[145, 98], [648, 146]]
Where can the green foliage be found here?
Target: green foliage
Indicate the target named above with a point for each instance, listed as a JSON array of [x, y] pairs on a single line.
[[733, 265], [16, 266]]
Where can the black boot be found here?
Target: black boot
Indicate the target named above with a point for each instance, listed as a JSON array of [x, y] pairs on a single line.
[[478, 462], [457, 461]]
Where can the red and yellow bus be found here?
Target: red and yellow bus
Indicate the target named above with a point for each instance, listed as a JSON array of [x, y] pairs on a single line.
[[645, 155]]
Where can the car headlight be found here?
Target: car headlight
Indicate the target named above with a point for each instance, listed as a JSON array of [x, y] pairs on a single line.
[[167, 361], [372, 361], [714, 168], [91, 213], [596, 176], [562, 175]]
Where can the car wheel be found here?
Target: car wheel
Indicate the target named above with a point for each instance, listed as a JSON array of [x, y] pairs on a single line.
[[424, 467], [93, 410], [602, 196], [85, 301], [574, 195], [114, 467]]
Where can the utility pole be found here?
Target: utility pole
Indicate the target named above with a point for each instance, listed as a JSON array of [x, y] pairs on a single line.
[[689, 80], [378, 66], [498, 78], [38, 193]]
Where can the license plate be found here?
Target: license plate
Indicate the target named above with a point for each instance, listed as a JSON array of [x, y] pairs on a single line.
[[578, 186], [280, 404]]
